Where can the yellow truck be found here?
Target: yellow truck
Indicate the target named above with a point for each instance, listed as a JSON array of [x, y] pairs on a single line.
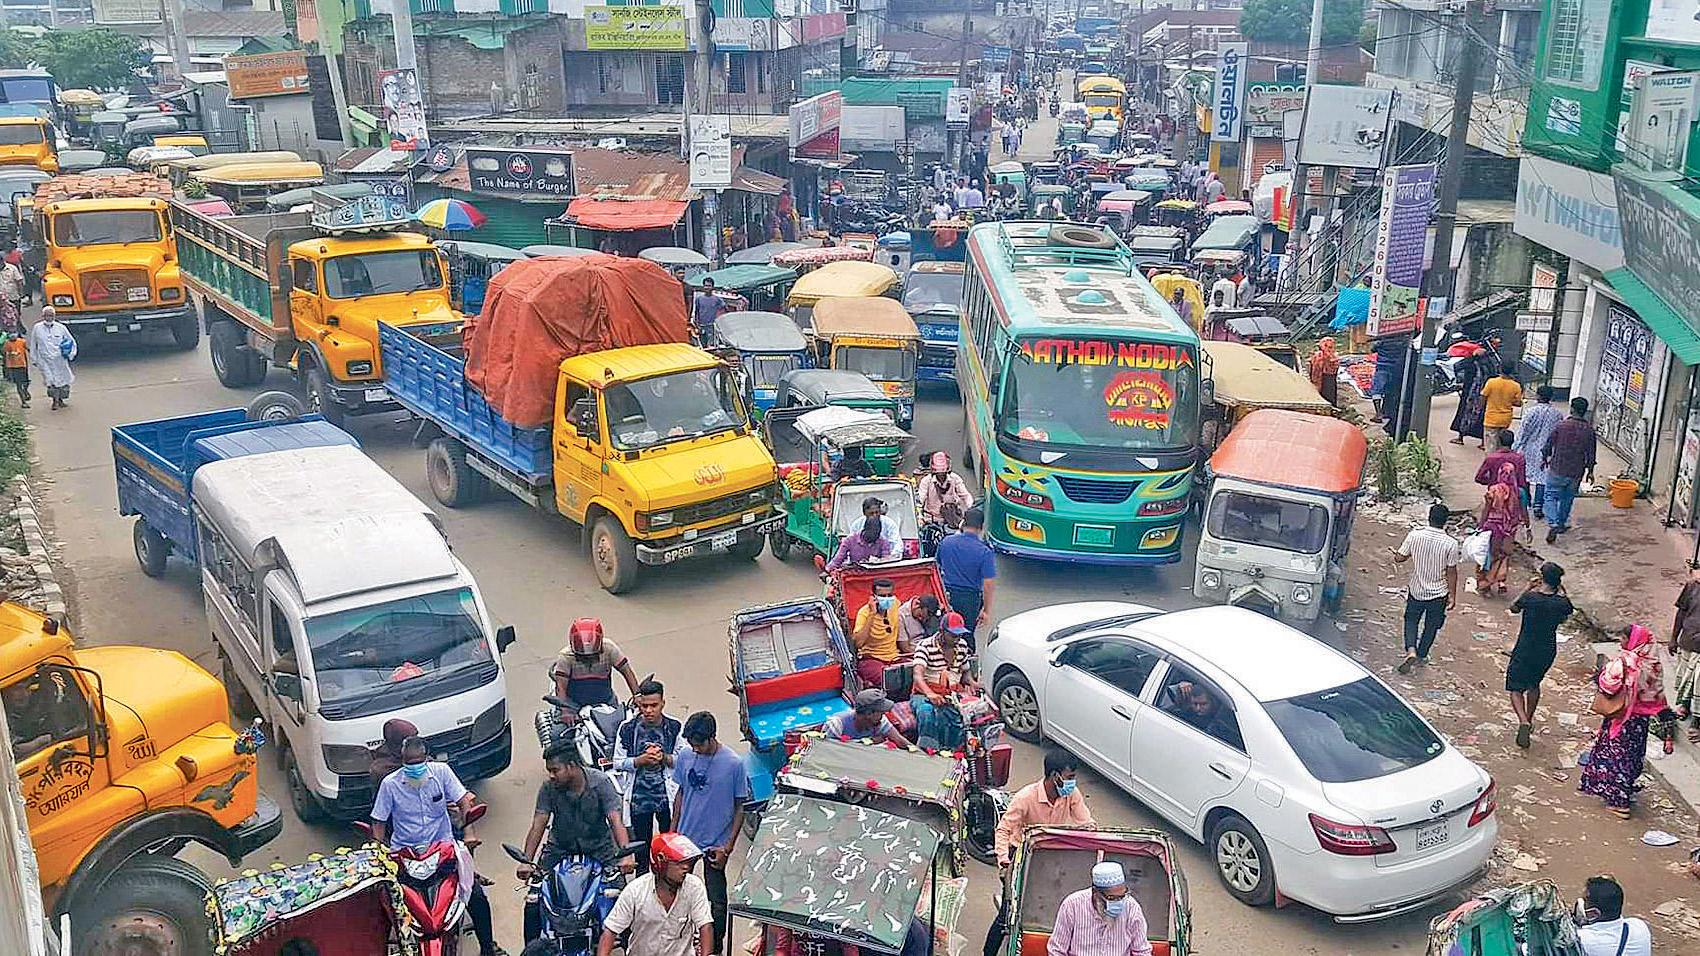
[[650, 451], [108, 256], [28, 141], [125, 756], [306, 292]]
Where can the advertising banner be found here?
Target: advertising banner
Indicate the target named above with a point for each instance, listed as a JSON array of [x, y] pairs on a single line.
[[1267, 103], [1407, 199], [1570, 210], [538, 172], [1345, 126], [634, 28], [814, 125], [1661, 242], [1228, 100], [266, 74], [711, 151], [958, 107], [1661, 120], [404, 110]]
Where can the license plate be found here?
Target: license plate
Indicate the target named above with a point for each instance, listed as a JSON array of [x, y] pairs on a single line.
[[137, 295], [376, 395], [1432, 836], [723, 540]]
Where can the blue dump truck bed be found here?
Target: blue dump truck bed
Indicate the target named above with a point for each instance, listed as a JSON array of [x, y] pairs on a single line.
[[155, 461], [431, 382]]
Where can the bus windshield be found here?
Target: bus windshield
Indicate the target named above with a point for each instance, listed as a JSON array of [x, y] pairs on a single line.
[[1102, 393]]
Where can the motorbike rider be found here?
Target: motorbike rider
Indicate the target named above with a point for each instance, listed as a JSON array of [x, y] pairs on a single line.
[[666, 911], [941, 489], [584, 670], [413, 809], [581, 812]]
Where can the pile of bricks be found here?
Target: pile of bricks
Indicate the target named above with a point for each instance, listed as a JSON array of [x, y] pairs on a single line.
[[130, 186]]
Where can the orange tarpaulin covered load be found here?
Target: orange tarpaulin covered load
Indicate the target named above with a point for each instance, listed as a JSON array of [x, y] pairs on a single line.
[[540, 312]]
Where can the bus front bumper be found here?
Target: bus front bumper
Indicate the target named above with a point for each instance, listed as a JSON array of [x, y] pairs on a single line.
[[1035, 534]]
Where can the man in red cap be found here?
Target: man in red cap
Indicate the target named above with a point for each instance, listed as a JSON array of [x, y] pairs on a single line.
[[584, 670]]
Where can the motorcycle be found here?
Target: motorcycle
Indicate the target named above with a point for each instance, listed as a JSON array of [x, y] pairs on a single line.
[[1456, 349], [569, 901], [436, 883], [589, 729]]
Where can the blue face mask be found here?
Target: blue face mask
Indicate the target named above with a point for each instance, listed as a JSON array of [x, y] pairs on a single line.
[[413, 771], [1115, 908], [1066, 787], [885, 603]]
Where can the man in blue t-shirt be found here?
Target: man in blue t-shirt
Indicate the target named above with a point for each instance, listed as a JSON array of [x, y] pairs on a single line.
[[966, 565], [705, 309], [709, 808]]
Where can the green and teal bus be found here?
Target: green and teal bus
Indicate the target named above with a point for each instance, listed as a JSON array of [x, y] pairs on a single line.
[[1082, 391]]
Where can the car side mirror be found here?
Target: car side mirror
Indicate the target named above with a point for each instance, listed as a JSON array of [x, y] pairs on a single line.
[[287, 686], [504, 638], [585, 424]]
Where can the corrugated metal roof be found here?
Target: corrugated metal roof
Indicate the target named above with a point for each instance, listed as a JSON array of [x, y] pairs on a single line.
[[607, 173]]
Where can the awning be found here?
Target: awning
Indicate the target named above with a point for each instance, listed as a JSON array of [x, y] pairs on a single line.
[[625, 215], [750, 180], [1672, 329]]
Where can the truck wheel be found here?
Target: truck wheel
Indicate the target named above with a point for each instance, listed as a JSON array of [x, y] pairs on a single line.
[[150, 906], [305, 804], [613, 555], [319, 400], [151, 548], [452, 480], [780, 544], [232, 360], [241, 704], [275, 406], [748, 550], [186, 331]]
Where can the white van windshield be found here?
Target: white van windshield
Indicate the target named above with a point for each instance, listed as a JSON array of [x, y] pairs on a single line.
[[399, 647]]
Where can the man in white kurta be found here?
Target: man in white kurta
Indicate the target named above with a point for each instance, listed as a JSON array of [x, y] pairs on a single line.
[[52, 349]]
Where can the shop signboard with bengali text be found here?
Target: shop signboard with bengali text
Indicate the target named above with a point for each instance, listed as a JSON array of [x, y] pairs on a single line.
[[1267, 103], [266, 74], [814, 125], [1228, 98], [1407, 199], [1661, 241], [635, 28]]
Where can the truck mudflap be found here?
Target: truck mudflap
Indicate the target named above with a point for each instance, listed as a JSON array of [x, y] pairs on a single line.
[[261, 827], [711, 541], [121, 321]]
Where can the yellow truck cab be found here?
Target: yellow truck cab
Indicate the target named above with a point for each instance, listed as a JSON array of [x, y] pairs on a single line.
[[121, 751], [873, 335], [110, 263], [306, 292], [28, 141], [193, 142]]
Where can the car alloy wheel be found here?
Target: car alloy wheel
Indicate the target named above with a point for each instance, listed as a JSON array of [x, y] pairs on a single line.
[[1019, 708], [1238, 861]]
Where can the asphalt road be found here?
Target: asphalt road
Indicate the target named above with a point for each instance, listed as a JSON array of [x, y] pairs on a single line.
[[534, 577]]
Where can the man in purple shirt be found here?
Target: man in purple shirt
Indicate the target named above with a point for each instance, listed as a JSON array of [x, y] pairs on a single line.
[[1567, 458], [868, 544], [1101, 921]]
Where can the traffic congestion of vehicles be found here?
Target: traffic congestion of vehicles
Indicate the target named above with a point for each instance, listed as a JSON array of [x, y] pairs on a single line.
[[1113, 416]]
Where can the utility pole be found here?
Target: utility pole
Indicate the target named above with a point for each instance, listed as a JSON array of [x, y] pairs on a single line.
[[401, 21], [849, 60], [967, 134], [1301, 172], [1439, 280], [699, 100]]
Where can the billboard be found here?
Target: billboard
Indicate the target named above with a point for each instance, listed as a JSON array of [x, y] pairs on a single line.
[[814, 125], [266, 74], [1661, 244], [1407, 199], [1228, 100], [1570, 210], [538, 172], [404, 110], [1267, 103], [634, 28], [1661, 119], [1345, 126], [711, 151], [958, 107]]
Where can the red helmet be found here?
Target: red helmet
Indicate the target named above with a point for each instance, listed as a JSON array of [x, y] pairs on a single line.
[[585, 637], [672, 848]]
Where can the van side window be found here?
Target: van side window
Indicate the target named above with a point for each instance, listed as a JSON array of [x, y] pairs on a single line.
[[581, 409], [44, 708], [303, 276]]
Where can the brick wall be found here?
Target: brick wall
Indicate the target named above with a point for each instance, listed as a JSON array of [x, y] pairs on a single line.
[[535, 80], [456, 75]]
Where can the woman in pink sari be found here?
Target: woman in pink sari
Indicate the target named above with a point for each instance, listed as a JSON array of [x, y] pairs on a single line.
[[1620, 748], [1502, 514]]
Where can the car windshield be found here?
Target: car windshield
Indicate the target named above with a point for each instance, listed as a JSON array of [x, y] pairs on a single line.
[[669, 407], [1103, 393], [881, 365], [418, 639], [1357, 731], [105, 228], [924, 291], [382, 273], [25, 89], [20, 135], [1268, 522]]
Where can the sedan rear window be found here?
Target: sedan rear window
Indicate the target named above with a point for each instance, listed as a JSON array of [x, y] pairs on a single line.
[[1357, 731]]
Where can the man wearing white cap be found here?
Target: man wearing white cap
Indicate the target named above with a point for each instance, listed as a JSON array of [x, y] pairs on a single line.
[[1101, 921]]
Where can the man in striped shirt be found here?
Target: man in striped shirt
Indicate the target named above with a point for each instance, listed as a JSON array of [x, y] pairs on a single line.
[[1101, 921], [1433, 586]]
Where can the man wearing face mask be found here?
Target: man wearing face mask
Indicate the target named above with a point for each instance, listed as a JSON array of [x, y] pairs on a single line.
[[878, 634], [1101, 921], [1054, 800], [1601, 925]]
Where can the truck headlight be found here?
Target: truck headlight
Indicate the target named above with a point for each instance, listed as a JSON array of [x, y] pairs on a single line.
[[63, 301], [1210, 580], [361, 367], [1302, 593], [347, 758], [170, 294], [490, 723], [654, 520]]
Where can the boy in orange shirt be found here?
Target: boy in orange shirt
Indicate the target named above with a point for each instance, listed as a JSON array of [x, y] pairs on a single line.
[[1503, 393], [17, 358]]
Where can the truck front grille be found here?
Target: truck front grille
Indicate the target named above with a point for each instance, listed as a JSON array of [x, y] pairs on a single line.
[[750, 499], [114, 287]]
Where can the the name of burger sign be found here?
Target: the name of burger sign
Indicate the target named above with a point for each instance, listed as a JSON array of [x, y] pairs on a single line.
[[537, 171]]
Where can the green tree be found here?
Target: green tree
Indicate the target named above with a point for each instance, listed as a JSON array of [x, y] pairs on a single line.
[[90, 59], [15, 50], [1288, 21]]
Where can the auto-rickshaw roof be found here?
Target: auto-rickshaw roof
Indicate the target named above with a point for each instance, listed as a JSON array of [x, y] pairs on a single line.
[[823, 765], [1051, 189], [762, 254], [845, 277], [488, 251], [1127, 195], [1228, 232], [1276, 446], [674, 256], [109, 116], [760, 332], [1185, 205], [84, 158], [811, 865], [1006, 168], [747, 275], [1224, 207], [290, 198], [873, 315], [822, 385], [1245, 376], [1218, 256], [850, 427]]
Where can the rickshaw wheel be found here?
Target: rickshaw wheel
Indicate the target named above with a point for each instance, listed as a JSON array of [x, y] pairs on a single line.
[[780, 544]]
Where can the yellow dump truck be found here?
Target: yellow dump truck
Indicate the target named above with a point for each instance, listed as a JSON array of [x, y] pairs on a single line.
[[306, 291], [28, 141], [125, 756], [108, 256]]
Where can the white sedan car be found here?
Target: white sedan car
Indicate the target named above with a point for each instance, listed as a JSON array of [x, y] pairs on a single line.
[[1305, 777]]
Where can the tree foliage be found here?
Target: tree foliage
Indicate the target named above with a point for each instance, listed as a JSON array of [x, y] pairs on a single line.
[[1288, 21], [89, 59]]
